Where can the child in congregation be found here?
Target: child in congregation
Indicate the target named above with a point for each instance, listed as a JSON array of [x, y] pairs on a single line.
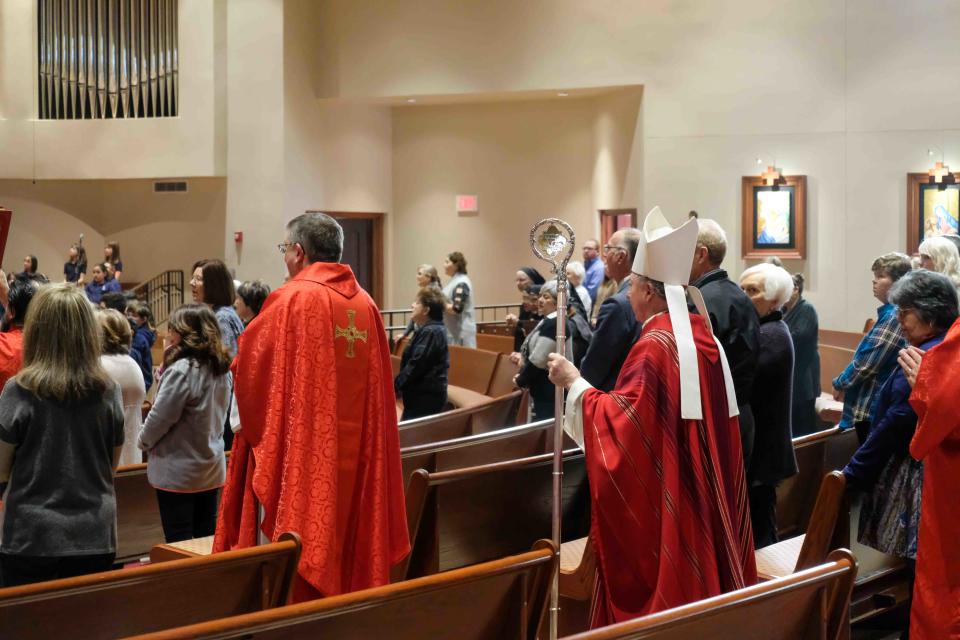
[[183, 433], [144, 335], [61, 433]]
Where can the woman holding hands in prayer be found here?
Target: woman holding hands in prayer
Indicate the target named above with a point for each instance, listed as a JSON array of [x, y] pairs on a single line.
[[935, 377], [882, 467], [183, 433]]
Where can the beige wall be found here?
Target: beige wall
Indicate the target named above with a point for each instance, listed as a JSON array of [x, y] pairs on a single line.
[[337, 155], [255, 135], [849, 94], [525, 160], [98, 149], [155, 231]]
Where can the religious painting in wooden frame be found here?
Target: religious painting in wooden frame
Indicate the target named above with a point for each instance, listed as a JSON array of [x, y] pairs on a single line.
[[774, 218], [932, 209]]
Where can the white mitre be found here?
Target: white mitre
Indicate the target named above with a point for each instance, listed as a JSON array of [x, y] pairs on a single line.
[[666, 254]]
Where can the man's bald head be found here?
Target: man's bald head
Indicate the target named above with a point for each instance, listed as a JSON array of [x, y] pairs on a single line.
[[711, 248]]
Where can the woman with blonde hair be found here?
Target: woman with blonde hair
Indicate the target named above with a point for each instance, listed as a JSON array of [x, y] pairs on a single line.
[[183, 433], [940, 254], [116, 336], [61, 432]]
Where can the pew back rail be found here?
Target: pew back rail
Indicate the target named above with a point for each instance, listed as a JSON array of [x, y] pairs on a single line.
[[121, 603]]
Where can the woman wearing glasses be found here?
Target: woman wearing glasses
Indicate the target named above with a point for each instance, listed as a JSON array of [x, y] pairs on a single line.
[[882, 467]]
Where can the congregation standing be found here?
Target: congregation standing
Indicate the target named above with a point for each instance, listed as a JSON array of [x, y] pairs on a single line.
[[743, 381]]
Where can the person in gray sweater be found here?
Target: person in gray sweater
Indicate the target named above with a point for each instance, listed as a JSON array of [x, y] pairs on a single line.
[[183, 433]]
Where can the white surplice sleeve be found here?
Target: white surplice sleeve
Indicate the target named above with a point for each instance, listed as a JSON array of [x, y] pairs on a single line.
[[573, 421]]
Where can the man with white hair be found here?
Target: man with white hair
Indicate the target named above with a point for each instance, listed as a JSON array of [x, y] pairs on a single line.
[[668, 493], [769, 287], [734, 319]]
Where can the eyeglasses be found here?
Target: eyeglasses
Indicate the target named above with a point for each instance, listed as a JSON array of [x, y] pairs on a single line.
[[283, 246], [607, 248], [903, 311]]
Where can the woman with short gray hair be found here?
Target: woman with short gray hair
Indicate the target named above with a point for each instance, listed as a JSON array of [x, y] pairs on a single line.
[[769, 287], [882, 466]]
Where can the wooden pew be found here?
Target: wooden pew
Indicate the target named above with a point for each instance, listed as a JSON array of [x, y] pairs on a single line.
[[796, 495], [844, 339], [122, 603], [501, 382], [465, 516], [138, 516], [497, 600], [495, 343], [510, 443], [493, 414], [494, 329], [811, 604], [883, 582], [833, 360], [810, 548], [471, 368]]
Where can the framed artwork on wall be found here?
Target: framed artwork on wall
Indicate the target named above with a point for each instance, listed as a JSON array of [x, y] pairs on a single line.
[[932, 209], [774, 218]]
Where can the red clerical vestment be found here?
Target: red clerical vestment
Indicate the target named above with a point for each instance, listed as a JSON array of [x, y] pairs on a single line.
[[318, 447], [935, 613], [671, 522]]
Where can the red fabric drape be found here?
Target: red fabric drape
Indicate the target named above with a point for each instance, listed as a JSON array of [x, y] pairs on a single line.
[[670, 521], [935, 613], [318, 446]]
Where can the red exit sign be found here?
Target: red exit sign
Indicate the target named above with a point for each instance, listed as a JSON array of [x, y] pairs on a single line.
[[467, 204]]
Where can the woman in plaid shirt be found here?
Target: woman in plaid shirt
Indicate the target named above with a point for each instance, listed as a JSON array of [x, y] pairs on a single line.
[[876, 355]]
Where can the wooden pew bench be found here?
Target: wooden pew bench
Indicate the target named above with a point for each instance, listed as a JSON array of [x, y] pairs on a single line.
[[499, 600], [470, 515], [495, 343], [138, 516], [116, 604], [493, 414], [833, 360], [844, 339], [812, 604], [510, 443]]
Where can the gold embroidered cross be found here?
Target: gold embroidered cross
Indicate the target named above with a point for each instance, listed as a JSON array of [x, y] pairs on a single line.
[[351, 333]]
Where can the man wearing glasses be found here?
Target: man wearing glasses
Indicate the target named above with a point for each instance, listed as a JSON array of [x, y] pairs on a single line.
[[617, 328], [318, 449]]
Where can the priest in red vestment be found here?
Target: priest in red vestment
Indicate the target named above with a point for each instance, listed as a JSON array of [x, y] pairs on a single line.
[[670, 522], [318, 451], [935, 612]]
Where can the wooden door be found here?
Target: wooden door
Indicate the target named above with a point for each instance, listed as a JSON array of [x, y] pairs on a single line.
[[611, 220]]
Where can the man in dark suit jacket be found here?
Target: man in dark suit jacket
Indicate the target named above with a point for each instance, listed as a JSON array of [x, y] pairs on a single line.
[[617, 327], [734, 319]]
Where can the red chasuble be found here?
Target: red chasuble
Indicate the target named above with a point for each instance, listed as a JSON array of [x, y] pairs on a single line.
[[671, 523], [318, 446], [935, 612]]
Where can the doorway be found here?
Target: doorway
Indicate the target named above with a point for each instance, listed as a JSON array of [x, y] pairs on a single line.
[[612, 220], [363, 249]]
